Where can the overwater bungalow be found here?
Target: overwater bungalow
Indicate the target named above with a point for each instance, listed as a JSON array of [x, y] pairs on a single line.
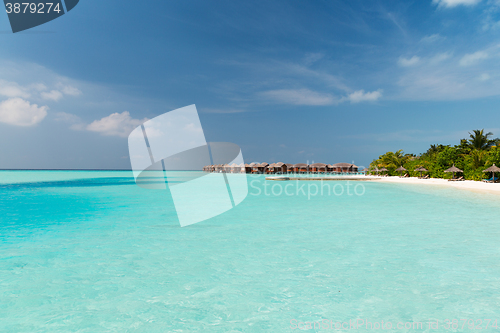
[[270, 168], [257, 168], [282, 168], [344, 167], [318, 167], [301, 168]]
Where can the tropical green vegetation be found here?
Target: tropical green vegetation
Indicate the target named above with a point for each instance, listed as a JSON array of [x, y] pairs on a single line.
[[472, 155]]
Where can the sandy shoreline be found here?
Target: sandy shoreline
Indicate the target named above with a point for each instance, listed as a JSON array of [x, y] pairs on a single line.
[[469, 185]]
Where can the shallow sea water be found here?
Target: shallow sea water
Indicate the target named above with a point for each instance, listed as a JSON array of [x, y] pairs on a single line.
[[93, 252]]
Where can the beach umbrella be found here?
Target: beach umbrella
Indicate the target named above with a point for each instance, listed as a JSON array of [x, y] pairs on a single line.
[[453, 169], [383, 169], [375, 170], [492, 169], [421, 169], [401, 169]]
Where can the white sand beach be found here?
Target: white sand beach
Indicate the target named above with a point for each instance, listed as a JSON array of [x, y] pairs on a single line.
[[470, 185]]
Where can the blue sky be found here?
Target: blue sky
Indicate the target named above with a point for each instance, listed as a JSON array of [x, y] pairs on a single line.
[[290, 81]]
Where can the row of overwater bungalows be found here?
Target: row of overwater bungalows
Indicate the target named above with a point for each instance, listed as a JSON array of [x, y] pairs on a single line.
[[281, 168]]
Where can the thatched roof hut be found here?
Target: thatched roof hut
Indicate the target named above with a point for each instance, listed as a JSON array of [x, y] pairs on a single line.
[[453, 169], [492, 169], [383, 169], [400, 170]]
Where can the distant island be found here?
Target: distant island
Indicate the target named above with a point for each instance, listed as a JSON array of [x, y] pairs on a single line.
[[472, 155]]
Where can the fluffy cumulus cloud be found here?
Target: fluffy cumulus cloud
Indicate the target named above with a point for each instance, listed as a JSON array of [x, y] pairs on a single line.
[[454, 3], [362, 96], [116, 124], [300, 97], [407, 62], [474, 58], [19, 112]]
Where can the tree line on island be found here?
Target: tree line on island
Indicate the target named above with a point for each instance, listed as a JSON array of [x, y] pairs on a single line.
[[472, 155]]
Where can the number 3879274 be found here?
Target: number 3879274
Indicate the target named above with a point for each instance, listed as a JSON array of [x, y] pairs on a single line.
[[33, 8]]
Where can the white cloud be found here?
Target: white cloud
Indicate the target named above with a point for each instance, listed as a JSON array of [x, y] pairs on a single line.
[[56, 95], [308, 97], [37, 91], [76, 122], [471, 59], [431, 38], [313, 57], [484, 77], [12, 89], [361, 96], [18, 112], [300, 97], [53, 95], [211, 110], [454, 3], [439, 58], [39, 87], [405, 62], [72, 91], [116, 124]]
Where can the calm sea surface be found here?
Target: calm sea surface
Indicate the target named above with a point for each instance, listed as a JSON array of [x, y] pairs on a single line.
[[92, 252]]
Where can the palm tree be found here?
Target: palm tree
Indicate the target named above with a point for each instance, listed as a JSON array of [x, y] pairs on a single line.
[[478, 158], [480, 141], [393, 160]]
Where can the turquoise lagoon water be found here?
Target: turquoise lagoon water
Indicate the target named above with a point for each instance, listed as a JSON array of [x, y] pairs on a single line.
[[93, 252]]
